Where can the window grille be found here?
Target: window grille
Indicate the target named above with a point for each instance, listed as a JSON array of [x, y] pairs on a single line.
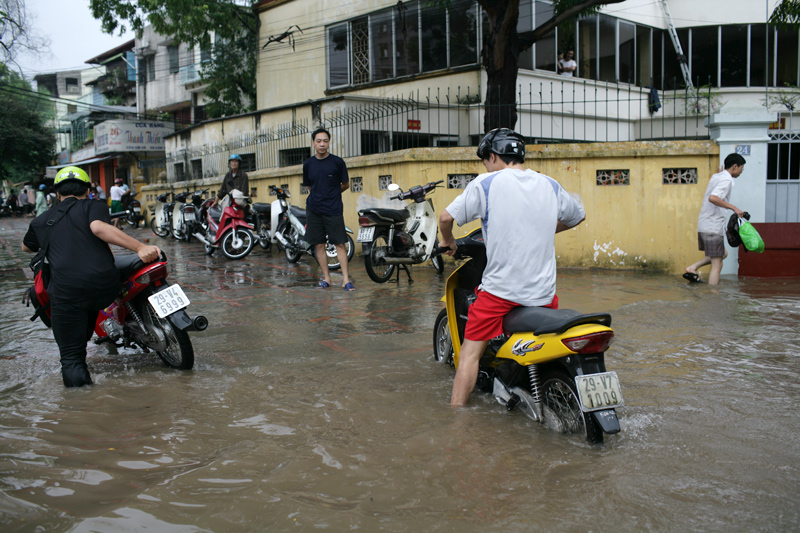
[[303, 189], [459, 181], [248, 162], [357, 184], [679, 176], [360, 31], [293, 156], [384, 182], [614, 177]]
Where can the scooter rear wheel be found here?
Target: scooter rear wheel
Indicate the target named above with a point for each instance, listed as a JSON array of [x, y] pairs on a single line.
[[161, 232], [559, 395], [178, 352], [377, 269]]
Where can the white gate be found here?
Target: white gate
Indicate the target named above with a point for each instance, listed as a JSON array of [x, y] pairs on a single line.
[[783, 177]]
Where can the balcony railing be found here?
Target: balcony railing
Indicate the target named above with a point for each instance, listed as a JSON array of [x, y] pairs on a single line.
[[189, 74]]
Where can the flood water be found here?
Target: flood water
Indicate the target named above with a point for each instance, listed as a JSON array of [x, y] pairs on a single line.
[[323, 410]]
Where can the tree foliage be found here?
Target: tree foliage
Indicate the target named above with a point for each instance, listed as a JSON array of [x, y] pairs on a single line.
[[231, 73], [15, 32], [786, 14], [26, 142], [503, 44]]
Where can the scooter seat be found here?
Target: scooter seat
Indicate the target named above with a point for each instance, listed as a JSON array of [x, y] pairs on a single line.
[[542, 320], [127, 264], [299, 212], [395, 215], [264, 209]]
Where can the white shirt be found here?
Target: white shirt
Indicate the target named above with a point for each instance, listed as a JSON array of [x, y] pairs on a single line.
[[116, 193], [713, 218], [519, 211], [568, 64]]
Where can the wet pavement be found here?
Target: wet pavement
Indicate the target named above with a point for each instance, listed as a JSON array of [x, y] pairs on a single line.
[[323, 410]]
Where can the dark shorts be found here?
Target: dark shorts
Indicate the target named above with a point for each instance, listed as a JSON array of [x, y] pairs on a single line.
[[318, 226], [713, 245], [486, 314]]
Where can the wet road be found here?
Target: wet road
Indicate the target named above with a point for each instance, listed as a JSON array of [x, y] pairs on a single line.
[[323, 410]]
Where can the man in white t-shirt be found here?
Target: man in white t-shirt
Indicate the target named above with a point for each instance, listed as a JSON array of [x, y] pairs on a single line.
[[116, 193], [568, 66], [520, 211], [711, 222]]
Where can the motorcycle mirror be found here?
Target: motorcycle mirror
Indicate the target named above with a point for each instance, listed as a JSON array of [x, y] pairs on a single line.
[[393, 187]]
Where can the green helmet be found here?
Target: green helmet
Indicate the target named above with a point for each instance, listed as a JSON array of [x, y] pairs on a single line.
[[71, 173]]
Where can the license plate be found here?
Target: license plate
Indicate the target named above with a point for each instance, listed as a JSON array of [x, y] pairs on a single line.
[[137, 209], [599, 391], [168, 301], [189, 215], [365, 234]]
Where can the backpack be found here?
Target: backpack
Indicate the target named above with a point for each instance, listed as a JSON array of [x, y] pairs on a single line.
[[36, 294]]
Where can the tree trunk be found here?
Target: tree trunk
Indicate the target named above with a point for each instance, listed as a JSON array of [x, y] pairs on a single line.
[[501, 61]]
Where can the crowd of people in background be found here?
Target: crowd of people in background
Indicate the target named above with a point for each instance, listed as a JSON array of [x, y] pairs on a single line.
[[33, 200]]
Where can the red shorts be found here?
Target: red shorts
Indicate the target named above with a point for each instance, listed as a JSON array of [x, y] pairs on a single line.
[[486, 314]]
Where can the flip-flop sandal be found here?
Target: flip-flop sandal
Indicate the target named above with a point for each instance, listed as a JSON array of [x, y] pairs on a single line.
[[349, 287], [323, 285], [691, 276]]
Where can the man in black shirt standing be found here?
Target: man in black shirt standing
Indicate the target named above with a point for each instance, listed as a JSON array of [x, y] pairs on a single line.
[[326, 177], [83, 277]]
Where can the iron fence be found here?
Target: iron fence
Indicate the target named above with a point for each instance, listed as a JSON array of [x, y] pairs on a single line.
[[548, 112]]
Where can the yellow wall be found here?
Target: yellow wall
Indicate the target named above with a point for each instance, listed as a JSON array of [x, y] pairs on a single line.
[[646, 224]]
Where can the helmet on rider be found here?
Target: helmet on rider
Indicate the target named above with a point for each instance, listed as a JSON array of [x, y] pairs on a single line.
[[67, 174], [235, 157], [503, 142]]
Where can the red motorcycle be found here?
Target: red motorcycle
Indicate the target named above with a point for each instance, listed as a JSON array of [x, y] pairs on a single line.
[[149, 312], [224, 226]]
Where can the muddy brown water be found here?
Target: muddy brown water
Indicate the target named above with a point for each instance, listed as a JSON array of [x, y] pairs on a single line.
[[323, 410]]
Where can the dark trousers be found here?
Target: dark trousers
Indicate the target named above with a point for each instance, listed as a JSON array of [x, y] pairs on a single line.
[[73, 323]]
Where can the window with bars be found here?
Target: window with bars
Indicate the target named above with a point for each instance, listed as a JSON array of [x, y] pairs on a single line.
[[384, 182], [357, 184], [293, 156], [248, 162]]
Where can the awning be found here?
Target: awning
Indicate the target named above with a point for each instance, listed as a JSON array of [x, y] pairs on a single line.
[[51, 171], [84, 162]]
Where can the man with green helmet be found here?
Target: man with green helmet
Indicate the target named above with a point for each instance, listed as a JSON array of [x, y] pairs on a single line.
[[83, 277]]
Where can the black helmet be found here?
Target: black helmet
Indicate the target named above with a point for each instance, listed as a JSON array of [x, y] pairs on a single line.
[[502, 141]]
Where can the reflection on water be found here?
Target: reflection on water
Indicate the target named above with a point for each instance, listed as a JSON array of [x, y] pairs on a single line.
[[324, 410]]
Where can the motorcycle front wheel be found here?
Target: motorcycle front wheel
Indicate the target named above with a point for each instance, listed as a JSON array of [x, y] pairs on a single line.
[[161, 232], [559, 395], [333, 257], [292, 238], [246, 242], [438, 261], [442, 343], [175, 347], [377, 269]]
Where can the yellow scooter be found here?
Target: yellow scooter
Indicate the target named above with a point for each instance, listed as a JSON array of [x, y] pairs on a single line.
[[550, 363]]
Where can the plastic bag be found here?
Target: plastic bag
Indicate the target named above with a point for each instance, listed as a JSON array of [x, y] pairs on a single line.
[[750, 237]]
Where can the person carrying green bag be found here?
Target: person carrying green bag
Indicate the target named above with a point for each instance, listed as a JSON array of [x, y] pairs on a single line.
[[711, 222]]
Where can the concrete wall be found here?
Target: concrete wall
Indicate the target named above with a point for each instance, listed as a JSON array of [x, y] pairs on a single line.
[[643, 225]]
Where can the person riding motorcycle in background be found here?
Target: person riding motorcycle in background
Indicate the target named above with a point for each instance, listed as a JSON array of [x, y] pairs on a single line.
[[234, 179], [520, 212], [83, 276]]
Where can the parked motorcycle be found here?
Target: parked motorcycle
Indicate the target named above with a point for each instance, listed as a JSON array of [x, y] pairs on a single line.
[[550, 363], [183, 216], [289, 223], [225, 226], [134, 213], [150, 313], [260, 219], [161, 220], [407, 236]]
